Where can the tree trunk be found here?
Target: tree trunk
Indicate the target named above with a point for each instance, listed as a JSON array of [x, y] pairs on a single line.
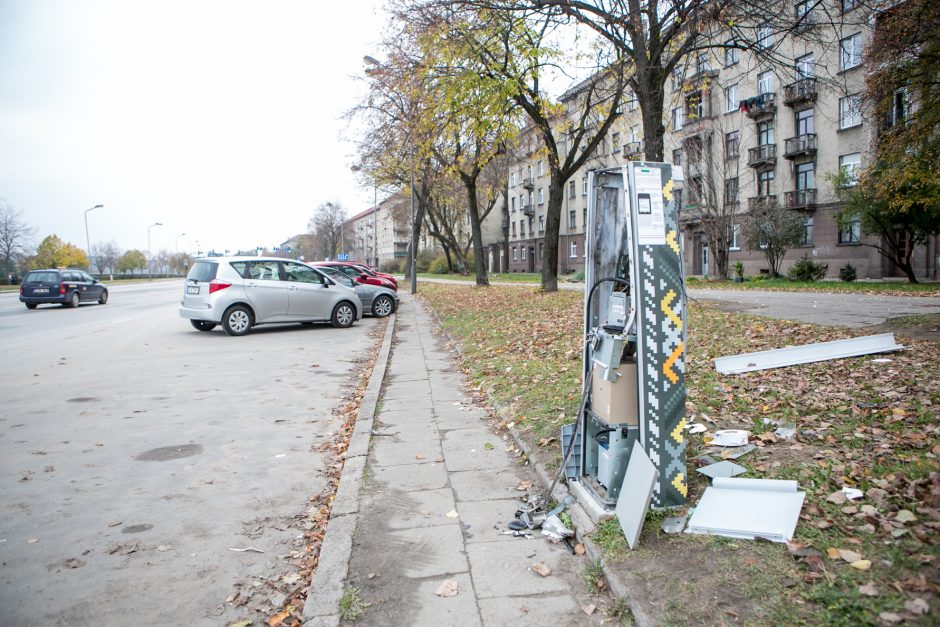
[[556, 197], [473, 209], [651, 96]]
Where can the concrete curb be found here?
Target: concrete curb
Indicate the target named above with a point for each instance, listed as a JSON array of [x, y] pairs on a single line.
[[323, 597], [583, 522]]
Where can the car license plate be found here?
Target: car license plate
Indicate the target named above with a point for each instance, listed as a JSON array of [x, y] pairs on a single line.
[[41, 290], [192, 289]]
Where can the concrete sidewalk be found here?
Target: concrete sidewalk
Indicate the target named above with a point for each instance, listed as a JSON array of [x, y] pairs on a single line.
[[437, 492]]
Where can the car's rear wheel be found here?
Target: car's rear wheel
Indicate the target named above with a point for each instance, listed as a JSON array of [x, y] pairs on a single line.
[[202, 325], [103, 299], [382, 306], [74, 300], [344, 314], [237, 320], [30, 305]]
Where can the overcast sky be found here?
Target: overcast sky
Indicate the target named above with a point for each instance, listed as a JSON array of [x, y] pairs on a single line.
[[219, 118]]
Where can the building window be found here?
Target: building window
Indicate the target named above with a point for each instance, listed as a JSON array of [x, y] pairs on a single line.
[[574, 249], [633, 103], [512, 179], [615, 142], [541, 167], [765, 83], [696, 190], [850, 113], [850, 54], [541, 195], [765, 133], [807, 232], [900, 109], [765, 181], [804, 122], [732, 145], [584, 218], [677, 119], [572, 219], [735, 237], [765, 36], [541, 225], [541, 250], [515, 254], [806, 66], [805, 176], [804, 13], [521, 228], [513, 229], [584, 186], [678, 196], [701, 63], [571, 190], [851, 231], [849, 166], [731, 53], [731, 190], [676, 79], [531, 197], [731, 98], [512, 203], [529, 171], [635, 133], [677, 157], [522, 201], [522, 250]]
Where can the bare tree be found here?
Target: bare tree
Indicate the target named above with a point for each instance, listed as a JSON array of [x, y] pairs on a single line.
[[327, 226], [15, 237], [773, 230], [106, 255]]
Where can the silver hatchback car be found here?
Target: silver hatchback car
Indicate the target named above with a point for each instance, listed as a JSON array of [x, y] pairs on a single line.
[[241, 292]]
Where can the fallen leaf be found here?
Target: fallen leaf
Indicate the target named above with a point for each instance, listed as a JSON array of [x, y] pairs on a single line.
[[452, 514], [291, 578], [849, 556], [579, 549], [588, 609], [541, 569], [419, 456], [278, 618], [838, 498], [833, 553], [890, 617], [917, 606], [524, 485], [448, 588], [905, 516], [487, 446], [861, 564], [115, 524], [33, 540], [869, 589]]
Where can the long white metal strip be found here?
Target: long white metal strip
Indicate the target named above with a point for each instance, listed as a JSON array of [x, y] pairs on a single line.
[[808, 353]]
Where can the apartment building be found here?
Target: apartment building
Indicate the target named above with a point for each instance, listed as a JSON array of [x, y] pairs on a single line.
[[379, 235], [746, 134]]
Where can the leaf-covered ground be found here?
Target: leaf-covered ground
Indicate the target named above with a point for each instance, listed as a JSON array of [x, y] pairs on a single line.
[[861, 422], [882, 288]]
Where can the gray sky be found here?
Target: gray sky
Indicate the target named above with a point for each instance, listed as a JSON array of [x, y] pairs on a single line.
[[219, 118]]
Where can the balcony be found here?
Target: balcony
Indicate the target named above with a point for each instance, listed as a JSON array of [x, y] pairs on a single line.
[[800, 146], [528, 210], [761, 202], [800, 199], [763, 155], [632, 149], [528, 182], [802, 91], [760, 108], [703, 74]]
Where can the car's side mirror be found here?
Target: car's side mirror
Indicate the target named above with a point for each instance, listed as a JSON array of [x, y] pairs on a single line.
[[364, 276]]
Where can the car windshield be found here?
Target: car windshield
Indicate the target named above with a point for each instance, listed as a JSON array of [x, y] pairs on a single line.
[[337, 276], [36, 277], [366, 270]]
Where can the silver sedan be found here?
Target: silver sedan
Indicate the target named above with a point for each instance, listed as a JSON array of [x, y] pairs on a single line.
[[376, 300]]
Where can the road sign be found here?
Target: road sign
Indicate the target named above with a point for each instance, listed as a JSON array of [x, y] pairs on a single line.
[[342, 257]]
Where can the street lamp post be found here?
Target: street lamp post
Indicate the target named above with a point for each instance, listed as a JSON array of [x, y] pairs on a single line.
[[88, 239], [149, 255]]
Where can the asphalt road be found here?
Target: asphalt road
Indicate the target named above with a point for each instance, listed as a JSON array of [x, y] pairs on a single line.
[[136, 451]]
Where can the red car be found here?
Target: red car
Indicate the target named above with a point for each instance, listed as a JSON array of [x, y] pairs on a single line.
[[372, 272], [358, 273]]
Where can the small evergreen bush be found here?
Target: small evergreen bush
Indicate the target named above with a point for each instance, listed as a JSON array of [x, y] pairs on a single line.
[[439, 265], [847, 273], [807, 270]]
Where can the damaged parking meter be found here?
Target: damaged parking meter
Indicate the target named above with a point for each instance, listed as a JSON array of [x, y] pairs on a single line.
[[634, 321]]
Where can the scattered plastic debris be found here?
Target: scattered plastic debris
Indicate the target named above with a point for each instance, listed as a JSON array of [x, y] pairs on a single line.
[[247, 549], [787, 432], [673, 524], [695, 427], [729, 437], [852, 493], [723, 468], [748, 508], [448, 588]]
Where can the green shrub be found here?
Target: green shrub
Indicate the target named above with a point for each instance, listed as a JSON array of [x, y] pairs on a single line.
[[847, 273], [393, 266], [439, 266], [579, 276], [425, 257], [739, 269], [807, 270]]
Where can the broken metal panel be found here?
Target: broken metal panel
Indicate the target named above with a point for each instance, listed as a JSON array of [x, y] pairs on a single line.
[[809, 353], [573, 465], [636, 492], [748, 508]]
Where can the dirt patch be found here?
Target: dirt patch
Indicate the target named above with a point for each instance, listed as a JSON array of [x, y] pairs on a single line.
[[919, 327]]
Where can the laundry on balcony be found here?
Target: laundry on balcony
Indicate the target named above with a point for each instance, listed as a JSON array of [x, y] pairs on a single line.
[[754, 102]]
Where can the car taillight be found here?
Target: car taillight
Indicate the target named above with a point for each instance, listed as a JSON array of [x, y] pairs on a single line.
[[217, 284], [62, 288]]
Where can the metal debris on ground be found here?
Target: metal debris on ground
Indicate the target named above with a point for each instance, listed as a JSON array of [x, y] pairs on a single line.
[[723, 468], [673, 524], [247, 549], [808, 353], [728, 437], [748, 508], [634, 502]]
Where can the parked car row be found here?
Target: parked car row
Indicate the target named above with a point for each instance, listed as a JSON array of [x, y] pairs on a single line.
[[239, 293], [243, 292]]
